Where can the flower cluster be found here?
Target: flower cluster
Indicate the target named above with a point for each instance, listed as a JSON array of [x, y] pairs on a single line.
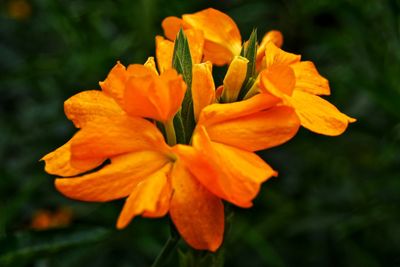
[[164, 137]]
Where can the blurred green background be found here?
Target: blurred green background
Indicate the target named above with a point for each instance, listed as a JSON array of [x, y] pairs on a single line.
[[336, 201]]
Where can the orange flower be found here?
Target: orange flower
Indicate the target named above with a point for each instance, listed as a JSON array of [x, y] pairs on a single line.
[[222, 36], [298, 84]]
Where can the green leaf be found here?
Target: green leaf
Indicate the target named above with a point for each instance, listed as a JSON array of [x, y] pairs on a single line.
[[182, 62], [26, 245], [250, 52]]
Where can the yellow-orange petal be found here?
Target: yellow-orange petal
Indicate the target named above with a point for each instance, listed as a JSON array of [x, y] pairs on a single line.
[[108, 137], [228, 172], [164, 53], [309, 80], [151, 64], [318, 115], [220, 30], [257, 131], [58, 162], [234, 79], [196, 44], [276, 56], [89, 105], [114, 181], [171, 26], [157, 97], [273, 36], [145, 196], [114, 84], [197, 214], [216, 113], [203, 88], [278, 80]]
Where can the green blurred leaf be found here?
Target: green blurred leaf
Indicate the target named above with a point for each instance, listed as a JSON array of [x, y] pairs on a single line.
[[26, 245], [249, 52]]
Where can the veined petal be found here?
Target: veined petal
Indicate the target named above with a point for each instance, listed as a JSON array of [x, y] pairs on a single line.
[[197, 214], [114, 181], [257, 131], [216, 113], [146, 195], [114, 84], [309, 80], [156, 97], [228, 172], [196, 44], [58, 162], [278, 80], [273, 36], [276, 56], [318, 115], [89, 105], [218, 28], [203, 88], [171, 26], [164, 53], [108, 137]]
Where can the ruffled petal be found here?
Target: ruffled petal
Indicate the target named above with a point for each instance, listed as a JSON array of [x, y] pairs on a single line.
[[156, 97], [114, 181], [230, 173], [145, 196], [114, 84], [164, 53], [216, 113], [219, 29], [309, 80], [58, 162], [318, 115], [276, 56], [89, 105], [108, 137], [203, 88], [197, 214], [257, 131], [273, 36], [278, 80]]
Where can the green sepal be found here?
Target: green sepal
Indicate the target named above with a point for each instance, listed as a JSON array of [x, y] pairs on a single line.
[[250, 52], [182, 63]]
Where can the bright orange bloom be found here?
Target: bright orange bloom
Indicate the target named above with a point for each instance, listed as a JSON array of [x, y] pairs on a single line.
[[222, 36], [298, 84]]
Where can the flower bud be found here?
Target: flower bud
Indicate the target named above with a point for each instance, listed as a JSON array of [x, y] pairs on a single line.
[[234, 79]]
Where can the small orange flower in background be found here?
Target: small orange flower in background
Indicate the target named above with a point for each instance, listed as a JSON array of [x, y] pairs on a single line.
[[177, 146], [46, 219]]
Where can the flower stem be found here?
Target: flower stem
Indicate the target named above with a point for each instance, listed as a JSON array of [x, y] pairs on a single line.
[[167, 250], [170, 131]]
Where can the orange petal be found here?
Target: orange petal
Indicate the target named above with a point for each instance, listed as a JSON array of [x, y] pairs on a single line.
[[151, 64], [273, 36], [164, 53], [219, 29], [88, 105], [114, 84], [197, 214], [203, 88], [216, 113], [58, 162], [145, 196], [278, 80], [309, 80], [257, 131], [196, 44], [157, 97], [114, 181], [276, 56], [217, 54], [228, 172], [318, 115], [108, 137], [234, 79], [171, 26]]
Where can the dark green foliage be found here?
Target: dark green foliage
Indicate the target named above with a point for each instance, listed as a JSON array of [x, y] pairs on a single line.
[[336, 201]]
